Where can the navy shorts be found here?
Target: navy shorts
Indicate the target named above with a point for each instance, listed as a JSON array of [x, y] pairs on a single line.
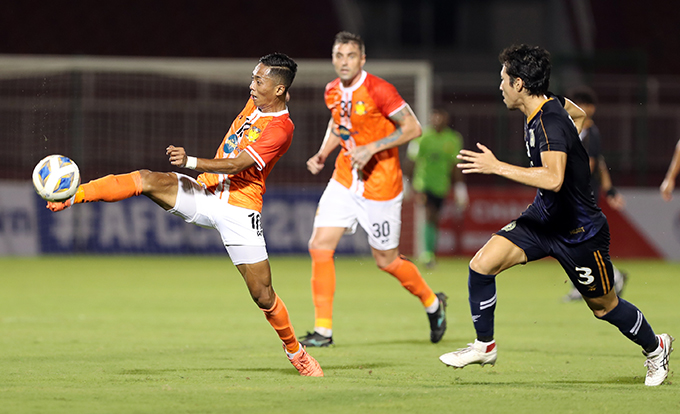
[[587, 264]]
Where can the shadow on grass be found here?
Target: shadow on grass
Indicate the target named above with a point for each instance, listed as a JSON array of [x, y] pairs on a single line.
[[632, 380], [383, 343], [367, 366]]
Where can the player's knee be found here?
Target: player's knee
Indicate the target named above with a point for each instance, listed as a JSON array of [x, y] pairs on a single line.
[[264, 297], [384, 258], [382, 263], [321, 242], [315, 241], [157, 181], [481, 264]]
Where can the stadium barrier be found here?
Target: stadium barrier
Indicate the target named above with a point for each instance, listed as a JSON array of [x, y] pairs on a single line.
[[648, 228]]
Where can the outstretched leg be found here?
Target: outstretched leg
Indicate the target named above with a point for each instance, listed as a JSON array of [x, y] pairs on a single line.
[[159, 187], [633, 324]]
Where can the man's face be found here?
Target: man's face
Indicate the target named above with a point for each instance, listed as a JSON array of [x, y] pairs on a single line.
[[588, 108], [263, 88], [509, 90], [348, 61]]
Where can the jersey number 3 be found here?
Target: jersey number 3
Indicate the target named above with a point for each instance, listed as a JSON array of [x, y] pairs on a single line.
[[585, 277]]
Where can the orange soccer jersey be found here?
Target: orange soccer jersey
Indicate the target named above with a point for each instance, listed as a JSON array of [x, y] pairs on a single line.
[[265, 137], [362, 113]]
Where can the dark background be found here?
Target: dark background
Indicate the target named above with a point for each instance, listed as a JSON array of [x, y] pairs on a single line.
[[626, 50], [305, 28]]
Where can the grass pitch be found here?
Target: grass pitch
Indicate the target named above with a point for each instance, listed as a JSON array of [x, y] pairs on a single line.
[[181, 335]]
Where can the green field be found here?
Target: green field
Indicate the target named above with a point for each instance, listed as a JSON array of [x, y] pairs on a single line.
[[129, 334]]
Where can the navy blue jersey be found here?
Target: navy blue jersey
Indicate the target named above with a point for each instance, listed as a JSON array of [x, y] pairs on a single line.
[[571, 213]]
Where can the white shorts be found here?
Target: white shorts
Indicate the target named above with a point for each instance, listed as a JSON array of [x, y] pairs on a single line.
[[239, 228], [339, 207]]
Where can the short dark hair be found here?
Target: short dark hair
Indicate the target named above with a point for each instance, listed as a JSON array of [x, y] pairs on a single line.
[[582, 95], [347, 37], [440, 110], [529, 63], [282, 67]]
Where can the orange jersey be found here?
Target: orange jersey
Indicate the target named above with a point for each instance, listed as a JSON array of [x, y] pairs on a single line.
[[362, 113], [265, 137]]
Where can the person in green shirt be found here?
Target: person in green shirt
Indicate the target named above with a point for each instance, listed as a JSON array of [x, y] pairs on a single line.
[[434, 157]]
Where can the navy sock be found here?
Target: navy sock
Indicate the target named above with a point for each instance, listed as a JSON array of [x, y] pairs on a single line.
[[482, 290], [632, 323]]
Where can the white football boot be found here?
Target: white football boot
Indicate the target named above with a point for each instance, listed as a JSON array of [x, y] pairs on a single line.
[[481, 353], [657, 361]]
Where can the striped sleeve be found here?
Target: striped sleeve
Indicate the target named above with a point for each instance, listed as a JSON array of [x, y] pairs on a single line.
[[275, 140]]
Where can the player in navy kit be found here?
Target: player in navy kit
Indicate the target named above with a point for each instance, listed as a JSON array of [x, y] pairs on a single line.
[[562, 222]]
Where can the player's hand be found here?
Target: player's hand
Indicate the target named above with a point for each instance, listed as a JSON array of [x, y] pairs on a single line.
[[478, 162], [616, 201], [359, 156], [315, 164], [176, 155], [666, 189]]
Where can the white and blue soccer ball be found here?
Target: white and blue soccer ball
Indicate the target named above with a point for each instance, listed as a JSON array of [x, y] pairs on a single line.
[[56, 178]]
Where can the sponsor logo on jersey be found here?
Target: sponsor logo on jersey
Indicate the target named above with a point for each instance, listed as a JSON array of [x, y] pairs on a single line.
[[532, 138], [360, 108], [577, 231], [344, 132], [253, 134], [230, 144], [510, 226]]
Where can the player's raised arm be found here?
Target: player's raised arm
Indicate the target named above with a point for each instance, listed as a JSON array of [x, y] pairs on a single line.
[[331, 140], [577, 114], [178, 156], [549, 176]]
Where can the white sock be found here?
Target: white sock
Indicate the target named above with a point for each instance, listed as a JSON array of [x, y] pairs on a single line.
[[324, 331], [291, 356], [434, 307]]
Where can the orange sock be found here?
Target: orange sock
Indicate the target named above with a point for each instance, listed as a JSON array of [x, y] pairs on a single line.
[[280, 320], [409, 276], [110, 188], [323, 286]]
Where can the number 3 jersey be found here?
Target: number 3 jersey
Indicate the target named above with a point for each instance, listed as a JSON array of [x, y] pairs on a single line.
[[265, 137], [571, 213], [362, 113]]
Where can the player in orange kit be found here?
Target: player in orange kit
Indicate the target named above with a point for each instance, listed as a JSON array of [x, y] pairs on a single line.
[[228, 195], [369, 119]]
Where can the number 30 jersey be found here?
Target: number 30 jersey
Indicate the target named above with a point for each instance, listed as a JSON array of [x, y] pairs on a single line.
[[362, 113]]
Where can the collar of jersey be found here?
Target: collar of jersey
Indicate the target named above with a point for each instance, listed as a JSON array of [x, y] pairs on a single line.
[[356, 85], [285, 111], [537, 110]]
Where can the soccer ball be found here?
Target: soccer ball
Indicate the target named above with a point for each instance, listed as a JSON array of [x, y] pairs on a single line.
[[56, 178]]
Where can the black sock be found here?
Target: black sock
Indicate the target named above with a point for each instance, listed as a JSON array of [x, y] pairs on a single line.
[[632, 323], [482, 297]]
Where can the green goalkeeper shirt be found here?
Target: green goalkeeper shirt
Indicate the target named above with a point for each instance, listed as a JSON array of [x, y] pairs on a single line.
[[434, 155]]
